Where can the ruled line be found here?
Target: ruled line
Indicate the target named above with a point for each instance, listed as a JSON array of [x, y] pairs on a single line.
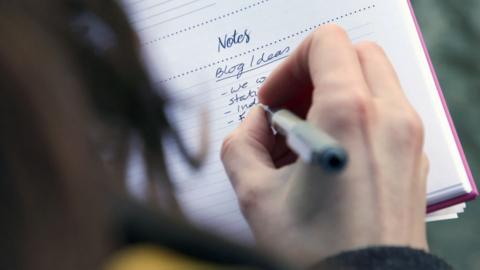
[[178, 17], [150, 7], [136, 2], [166, 11]]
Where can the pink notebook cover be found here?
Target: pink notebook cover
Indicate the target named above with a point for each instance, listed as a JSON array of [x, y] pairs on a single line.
[[474, 193]]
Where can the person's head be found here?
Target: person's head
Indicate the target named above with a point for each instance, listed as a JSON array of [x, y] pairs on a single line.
[[72, 94]]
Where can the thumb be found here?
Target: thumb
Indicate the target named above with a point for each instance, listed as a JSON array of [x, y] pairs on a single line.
[[248, 148]]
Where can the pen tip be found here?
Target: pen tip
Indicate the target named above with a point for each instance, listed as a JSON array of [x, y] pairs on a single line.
[[333, 160]]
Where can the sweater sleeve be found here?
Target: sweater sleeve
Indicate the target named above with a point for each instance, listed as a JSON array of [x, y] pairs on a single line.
[[384, 258]]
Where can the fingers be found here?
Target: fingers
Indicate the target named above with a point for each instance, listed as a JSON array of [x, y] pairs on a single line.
[[333, 63], [247, 150], [326, 62], [379, 73]]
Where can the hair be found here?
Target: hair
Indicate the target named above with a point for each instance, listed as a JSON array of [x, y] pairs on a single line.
[[69, 107]]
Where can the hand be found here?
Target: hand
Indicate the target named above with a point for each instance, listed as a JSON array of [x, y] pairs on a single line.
[[304, 215]]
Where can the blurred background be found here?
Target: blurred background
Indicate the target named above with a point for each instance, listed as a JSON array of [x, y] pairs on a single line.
[[452, 32]]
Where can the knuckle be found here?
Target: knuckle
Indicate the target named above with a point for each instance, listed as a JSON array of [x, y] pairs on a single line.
[[356, 103], [413, 124], [369, 48], [355, 106], [368, 51], [345, 111], [327, 35], [335, 81], [248, 198], [410, 129], [330, 30]]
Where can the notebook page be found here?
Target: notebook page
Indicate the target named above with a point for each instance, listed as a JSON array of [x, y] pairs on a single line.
[[215, 55]]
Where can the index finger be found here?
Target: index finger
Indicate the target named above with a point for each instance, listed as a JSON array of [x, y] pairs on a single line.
[[315, 66]]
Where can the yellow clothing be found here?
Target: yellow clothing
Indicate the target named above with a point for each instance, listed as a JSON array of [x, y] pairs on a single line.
[[154, 258]]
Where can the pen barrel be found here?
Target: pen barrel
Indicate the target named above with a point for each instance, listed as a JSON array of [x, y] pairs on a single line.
[[308, 141], [283, 121]]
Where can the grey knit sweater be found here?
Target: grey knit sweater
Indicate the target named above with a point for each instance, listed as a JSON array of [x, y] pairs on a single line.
[[384, 258]]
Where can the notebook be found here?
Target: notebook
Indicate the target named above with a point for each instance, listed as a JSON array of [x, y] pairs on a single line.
[[215, 55]]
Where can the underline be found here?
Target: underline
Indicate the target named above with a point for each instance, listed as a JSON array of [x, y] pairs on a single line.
[[255, 68]]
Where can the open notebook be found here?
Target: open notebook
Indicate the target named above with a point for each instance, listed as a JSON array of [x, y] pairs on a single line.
[[215, 54]]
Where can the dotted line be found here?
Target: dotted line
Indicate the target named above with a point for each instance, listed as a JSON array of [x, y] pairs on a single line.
[[186, 29], [355, 12]]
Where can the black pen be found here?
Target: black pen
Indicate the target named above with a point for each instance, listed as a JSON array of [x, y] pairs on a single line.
[[310, 143]]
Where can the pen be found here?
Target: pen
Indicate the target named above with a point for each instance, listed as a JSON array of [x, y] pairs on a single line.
[[310, 143]]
